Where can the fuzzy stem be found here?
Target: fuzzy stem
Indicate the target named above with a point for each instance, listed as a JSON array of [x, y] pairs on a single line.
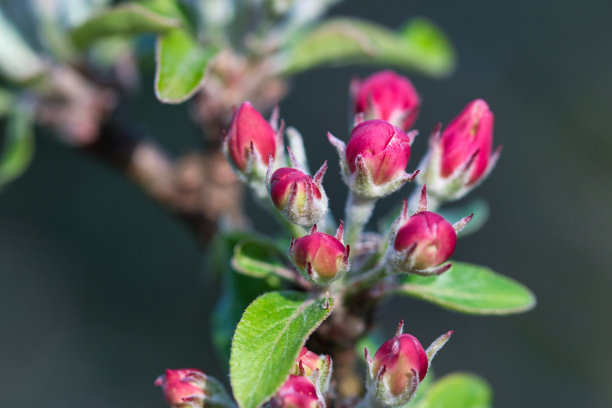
[[358, 211]]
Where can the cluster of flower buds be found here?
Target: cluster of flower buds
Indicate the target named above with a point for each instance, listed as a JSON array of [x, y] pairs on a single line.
[[307, 384], [299, 197], [388, 96], [374, 160], [251, 140], [420, 243], [460, 157], [398, 367], [321, 258]]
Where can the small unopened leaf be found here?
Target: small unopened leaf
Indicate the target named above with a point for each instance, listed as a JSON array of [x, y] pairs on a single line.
[[458, 390], [18, 147], [260, 259], [419, 45], [267, 342], [470, 289], [181, 65], [124, 19]]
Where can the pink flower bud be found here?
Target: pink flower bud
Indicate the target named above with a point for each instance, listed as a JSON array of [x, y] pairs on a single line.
[[320, 257], [183, 388], [385, 150], [308, 362], [398, 360], [388, 96], [428, 237], [296, 392], [250, 140], [469, 137], [298, 196]]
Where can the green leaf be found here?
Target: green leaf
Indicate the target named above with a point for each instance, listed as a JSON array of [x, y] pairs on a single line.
[[267, 342], [238, 291], [7, 99], [125, 20], [18, 148], [420, 46], [181, 65], [470, 289], [458, 390], [478, 207], [260, 259]]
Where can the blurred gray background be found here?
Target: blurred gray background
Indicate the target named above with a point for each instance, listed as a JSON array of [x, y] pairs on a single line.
[[100, 290]]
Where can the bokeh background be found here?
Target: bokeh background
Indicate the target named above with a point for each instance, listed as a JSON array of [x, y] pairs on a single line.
[[101, 290]]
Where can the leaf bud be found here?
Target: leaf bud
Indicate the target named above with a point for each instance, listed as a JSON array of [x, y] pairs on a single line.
[[460, 157], [320, 258], [375, 158], [388, 96]]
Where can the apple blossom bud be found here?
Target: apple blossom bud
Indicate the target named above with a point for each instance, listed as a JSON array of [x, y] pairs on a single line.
[[399, 366], [422, 242], [375, 158], [317, 368], [183, 388], [250, 141], [388, 96], [320, 258], [296, 392], [298, 196], [460, 156]]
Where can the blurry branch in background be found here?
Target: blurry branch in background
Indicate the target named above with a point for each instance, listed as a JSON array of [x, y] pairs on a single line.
[[221, 53]]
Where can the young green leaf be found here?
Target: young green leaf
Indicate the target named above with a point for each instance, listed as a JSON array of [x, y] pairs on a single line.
[[260, 259], [458, 390], [267, 341], [419, 45], [18, 148], [181, 65], [124, 19], [470, 289]]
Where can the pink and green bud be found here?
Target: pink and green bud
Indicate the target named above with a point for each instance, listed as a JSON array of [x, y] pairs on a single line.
[[399, 366], [461, 156], [317, 368], [388, 96], [420, 243], [296, 392], [300, 197], [375, 158], [183, 388], [250, 141], [320, 258]]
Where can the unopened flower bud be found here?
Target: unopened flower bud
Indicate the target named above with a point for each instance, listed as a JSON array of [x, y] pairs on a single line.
[[317, 368], [375, 158], [388, 96], [320, 258], [183, 388], [296, 392], [422, 242], [300, 197], [399, 366], [460, 156], [250, 141]]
